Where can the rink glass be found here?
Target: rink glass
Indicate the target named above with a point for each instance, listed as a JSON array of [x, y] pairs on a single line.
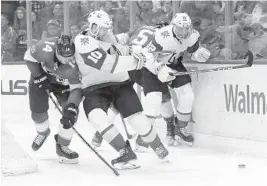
[[228, 29]]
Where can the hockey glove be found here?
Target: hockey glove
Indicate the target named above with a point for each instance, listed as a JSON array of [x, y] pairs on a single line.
[[164, 73], [201, 55], [69, 117], [143, 57], [42, 82]]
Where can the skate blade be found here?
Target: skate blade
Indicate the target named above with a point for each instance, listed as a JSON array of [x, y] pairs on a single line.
[[140, 149], [64, 160], [124, 166], [181, 141]]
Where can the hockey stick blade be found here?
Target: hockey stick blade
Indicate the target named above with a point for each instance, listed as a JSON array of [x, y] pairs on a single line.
[[226, 68], [81, 137]]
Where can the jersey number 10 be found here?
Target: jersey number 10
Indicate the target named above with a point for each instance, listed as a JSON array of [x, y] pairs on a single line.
[[94, 58]]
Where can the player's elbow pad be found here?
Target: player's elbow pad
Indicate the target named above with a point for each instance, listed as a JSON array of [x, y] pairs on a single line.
[[201, 55]]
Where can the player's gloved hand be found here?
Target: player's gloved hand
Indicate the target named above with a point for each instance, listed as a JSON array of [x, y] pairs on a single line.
[[143, 57], [42, 82], [164, 73], [70, 114], [201, 55]]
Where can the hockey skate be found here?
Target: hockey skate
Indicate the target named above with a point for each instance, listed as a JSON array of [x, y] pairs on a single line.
[[39, 140], [183, 136], [97, 140], [162, 153], [140, 145], [65, 154], [170, 132], [127, 159]]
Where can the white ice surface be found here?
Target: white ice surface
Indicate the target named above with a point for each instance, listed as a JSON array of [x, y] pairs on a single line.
[[188, 166]]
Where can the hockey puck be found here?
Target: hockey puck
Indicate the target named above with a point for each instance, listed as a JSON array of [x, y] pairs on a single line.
[[241, 166]]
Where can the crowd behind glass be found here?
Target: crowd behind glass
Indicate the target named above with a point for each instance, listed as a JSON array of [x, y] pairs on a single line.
[[247, 30]]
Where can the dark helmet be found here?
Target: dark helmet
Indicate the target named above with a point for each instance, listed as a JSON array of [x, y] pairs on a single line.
[[65, 46]]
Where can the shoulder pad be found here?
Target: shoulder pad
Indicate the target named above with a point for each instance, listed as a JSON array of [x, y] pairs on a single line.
[[85, 43]]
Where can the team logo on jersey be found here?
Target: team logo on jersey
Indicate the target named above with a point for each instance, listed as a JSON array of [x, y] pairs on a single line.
[[165, 34], [85, 41]]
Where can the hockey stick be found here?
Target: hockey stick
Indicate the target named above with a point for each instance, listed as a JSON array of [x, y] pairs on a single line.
[[103, 160], [129, 136], [248, 64]]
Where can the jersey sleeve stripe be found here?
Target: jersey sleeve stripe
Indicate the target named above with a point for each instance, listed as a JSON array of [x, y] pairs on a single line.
[[115, 64]]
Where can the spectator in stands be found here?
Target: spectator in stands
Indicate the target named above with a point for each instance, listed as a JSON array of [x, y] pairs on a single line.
[[58, 13], [20, 26], [167, 7], [74, 9], [121, 23], [159, 17], [146, 13], [218, 8], [53, 29], [214, 37], [200, 12], [46, 13], [20, 18], [36, 30], [85, 10], [74, 30], [109, 8], [8, 39]]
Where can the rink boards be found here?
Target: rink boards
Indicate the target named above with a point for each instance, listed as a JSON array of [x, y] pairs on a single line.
[[229, 114]]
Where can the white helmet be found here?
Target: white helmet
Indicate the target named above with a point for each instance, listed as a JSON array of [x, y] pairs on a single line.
[[100, 19], [181, 20], [182, 25]]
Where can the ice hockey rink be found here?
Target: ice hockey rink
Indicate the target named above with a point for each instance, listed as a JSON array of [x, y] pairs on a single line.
[[188, 166]]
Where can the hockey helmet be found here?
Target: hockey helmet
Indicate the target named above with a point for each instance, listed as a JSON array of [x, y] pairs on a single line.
[[65, 49], [182, 25], [99, 19]]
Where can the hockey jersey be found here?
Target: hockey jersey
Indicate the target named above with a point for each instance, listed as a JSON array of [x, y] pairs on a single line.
[[163, 43], [99, 65], [43, 52]]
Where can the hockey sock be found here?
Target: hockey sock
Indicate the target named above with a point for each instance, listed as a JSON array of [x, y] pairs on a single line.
[[143, 127], [109, 132], [43, 127], [64, 135], [112, 136]]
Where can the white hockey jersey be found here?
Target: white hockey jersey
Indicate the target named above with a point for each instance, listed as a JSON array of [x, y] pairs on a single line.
[[98, 65], [170, 47], [163, 43]]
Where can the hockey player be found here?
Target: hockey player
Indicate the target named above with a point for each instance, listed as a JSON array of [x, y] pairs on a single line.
[[167, 44], [105, 81], [50, 62]]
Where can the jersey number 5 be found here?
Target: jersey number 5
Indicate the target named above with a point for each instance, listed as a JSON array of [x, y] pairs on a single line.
[[94, 58], [143, 37]]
